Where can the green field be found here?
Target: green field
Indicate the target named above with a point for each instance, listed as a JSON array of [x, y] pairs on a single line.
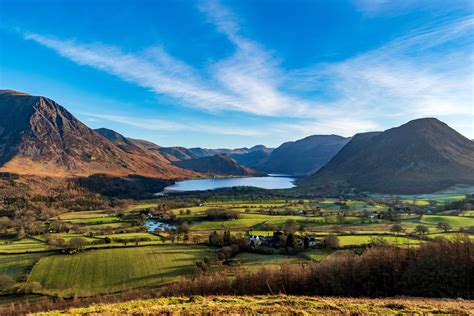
[[252, 221], [452, 220], [17, 265], [22, 246], [355, 240], [80, 215], [318, 254], [111, 270], [108, 268]]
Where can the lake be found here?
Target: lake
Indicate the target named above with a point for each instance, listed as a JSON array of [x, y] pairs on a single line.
[[269, 182]]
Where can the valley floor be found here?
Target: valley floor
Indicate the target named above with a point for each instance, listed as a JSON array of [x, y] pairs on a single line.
[[280, 304]]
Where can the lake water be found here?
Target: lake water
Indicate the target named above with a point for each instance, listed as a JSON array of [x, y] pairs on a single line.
[[269, 182]]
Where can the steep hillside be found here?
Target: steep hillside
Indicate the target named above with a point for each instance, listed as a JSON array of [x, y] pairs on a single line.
[[38, 136], [177, 153], [303, 156], [218, 164], [254, 159], [421, 156]]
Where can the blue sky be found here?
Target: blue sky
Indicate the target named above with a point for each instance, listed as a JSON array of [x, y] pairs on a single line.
[[246, 72]]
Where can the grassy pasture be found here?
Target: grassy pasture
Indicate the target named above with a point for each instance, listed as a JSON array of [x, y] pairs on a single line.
[[81, 215], [22, 246], [317, 254], [16, 265], [249, 221], [131, 236], [452, 220], [66, 236], [111, 270], [254, 261], [354, 240]]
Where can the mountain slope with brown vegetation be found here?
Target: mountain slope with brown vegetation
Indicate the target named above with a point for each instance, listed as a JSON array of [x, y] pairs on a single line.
[[218, 164], [421, 156], [38, 136]]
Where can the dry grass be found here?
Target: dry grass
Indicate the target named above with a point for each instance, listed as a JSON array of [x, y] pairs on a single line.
[[278, 304]]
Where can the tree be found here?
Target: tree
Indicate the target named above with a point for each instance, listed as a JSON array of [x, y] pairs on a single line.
[[331, 241], [421, 230], [444, 226], [227, 238], [214, 239], [56, 242], [290, 241], [289, 226], [397, 229], [77, 243], [21, 233], [306, 242]]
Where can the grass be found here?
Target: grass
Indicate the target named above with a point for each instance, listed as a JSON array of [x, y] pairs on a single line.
[[278, 304], [22, 246], [354, 240], [111, 270], [17, 265], [257, 261], [132, 236], [318, 254], [80, 215], [452, 220], [66, 236], [248, 221]]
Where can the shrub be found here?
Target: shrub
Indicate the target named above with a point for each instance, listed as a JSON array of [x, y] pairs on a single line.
[[331, 241], [6, 283]]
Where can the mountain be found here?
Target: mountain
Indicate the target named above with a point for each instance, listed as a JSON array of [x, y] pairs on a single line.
[[205, 152], [40, 137], [421, 156], [177, 153], [254, 159], [218, 164], [303, 156]]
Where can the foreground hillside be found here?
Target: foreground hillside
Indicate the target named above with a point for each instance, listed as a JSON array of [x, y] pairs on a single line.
[[281, 304]]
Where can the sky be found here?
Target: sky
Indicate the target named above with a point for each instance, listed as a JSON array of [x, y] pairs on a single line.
[[240, 73]]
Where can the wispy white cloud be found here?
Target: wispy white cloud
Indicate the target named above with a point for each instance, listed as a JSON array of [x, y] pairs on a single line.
[[154, 124], [404, 79]]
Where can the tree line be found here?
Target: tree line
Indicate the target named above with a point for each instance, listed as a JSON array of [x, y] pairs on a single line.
[[442, 268]]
